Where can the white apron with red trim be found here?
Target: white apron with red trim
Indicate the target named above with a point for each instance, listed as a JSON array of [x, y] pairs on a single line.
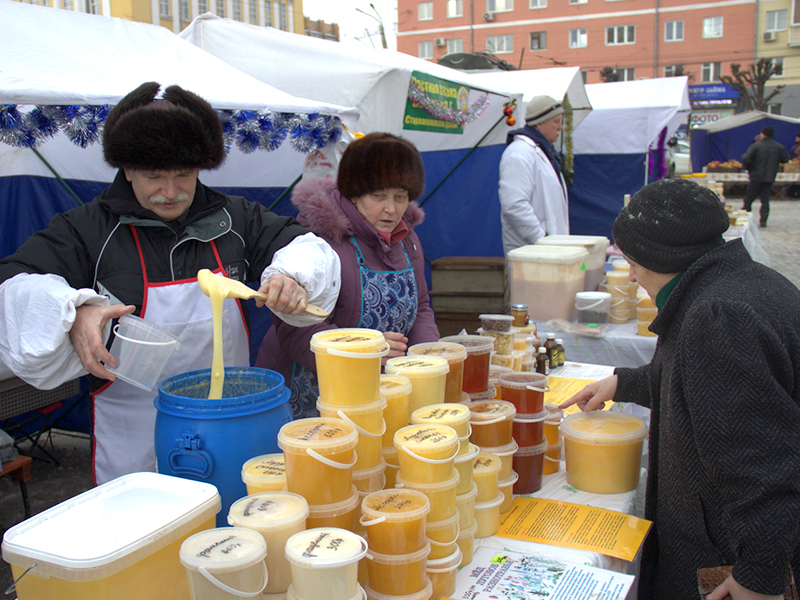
[[124, 415]]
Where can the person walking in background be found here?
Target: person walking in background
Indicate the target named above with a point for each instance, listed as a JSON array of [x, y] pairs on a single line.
[[533, 195], [762, 161], [723, 479]]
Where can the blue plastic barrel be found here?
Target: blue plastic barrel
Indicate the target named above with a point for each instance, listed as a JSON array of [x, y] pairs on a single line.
[[209, 440]]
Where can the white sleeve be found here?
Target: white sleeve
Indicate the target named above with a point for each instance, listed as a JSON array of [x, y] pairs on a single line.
[[516, 193], [38, 312], [311, 262]]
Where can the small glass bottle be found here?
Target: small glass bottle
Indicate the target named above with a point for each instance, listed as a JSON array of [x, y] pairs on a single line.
[[552, 351], [561, 354], [520, 314], [541, 361]]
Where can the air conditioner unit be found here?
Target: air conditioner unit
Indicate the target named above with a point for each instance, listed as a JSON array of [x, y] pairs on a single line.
[[487, 16], [770, 36], [439, 42]]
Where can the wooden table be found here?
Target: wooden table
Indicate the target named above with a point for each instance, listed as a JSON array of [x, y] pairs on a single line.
[[20, 469]]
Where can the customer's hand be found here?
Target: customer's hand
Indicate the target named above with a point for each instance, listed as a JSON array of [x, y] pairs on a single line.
[[738, 592], [284, 295], [594, 395], [87, 337], [398, 344]]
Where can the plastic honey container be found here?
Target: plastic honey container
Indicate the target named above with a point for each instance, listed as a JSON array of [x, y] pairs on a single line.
[[427, 374], [397, 391], [552, 458], [505, 454], [486, 471], [390, 456], [372, 479], [368, 421], [464, 467], [503, 340], [487, 516], [603, 451], [524, 390], [551, 423], [529, 465], [426, 453], [342, 515], [319, 454], [324, 563], [455, 415], [495, 371], [466, 543], [489, 393], [349, 365], [265, 473], [528, 430], [442, 573], [595, 245], [395, 520], [77, 549], [397, 574], [424, 594], [476, 366], [465, 504], [442, 495], [277, 516], [226, 562], [455, 355], [507, 489], [442, 536], [492, 422]]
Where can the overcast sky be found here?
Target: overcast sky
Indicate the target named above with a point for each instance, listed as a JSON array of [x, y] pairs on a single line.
[[356, 28]]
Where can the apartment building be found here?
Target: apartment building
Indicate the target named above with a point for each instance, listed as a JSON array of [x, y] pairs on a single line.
[[177, 14]]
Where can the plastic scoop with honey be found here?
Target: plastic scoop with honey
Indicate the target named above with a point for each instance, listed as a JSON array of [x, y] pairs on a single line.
[[217, 288]]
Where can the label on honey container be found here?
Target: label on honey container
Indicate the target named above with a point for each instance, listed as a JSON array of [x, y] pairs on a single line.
[[271, 466], [323, 543], [395, 501], [426, 435]]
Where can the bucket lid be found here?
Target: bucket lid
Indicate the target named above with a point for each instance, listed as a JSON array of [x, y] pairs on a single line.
[[223, 550], [399, 559], [496, 320], [266, 469], [488, 394], [452, 353], [395, 505], [451, 414], [592, 296], [549, 254], [475, 344], [335, 509], [444, 523], [417, 366], [604, 428], [351, 340], [521, 381], [486, 463], [501, 451], [424, 437], [325, 547], [497, 501], [490, 410], [268, 511], [323, 434], [423, 594], [531, 418], [590, 242], [539, 448], [469, 531], [510, 480], [354, 411], [554, 414], [394, 386], [81, 538], [470, 454], [448, 563], [468, 496], [428, 488]]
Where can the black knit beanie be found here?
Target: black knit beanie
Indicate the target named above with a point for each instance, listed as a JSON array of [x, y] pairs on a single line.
[[378, 161], [669, 224]]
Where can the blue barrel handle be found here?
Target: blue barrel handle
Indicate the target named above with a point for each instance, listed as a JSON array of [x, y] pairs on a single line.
[[196, 461]]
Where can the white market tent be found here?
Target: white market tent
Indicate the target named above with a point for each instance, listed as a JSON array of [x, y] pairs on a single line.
[[612, 145], [463, 215]]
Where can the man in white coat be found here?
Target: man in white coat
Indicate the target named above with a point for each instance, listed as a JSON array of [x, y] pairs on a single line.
[[533, 195]]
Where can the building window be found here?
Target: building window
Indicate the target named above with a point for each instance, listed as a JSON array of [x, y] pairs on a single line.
[[425, 11], [500, 44], [673, 31], [776, 20], [499, 5], [202, 6], [283, 17], [252, 8], [537, 3], [68, 5], [795, 12], [671, 70], [577, 1], [426, 49], [628, 74], [584, 76], [621, 34], [774, 109], [163, 8], [237, 10], [93, 7], [538, 40], [219, 9], [777, 63], [185, 16], [712, 27], [711, 71], [268, 13], [455, 8], [577, 38], [456, 45]]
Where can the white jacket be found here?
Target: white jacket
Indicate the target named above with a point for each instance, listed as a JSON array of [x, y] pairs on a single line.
[[533, 199]]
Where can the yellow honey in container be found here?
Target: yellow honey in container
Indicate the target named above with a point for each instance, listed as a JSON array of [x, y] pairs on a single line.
[[370, 480], [426, 452], [428, 377], [465, 504], [395, 520], [455, 355], [397, 391], [265, 473], [551, 423], [487, 516], [397, 574], [506, 455], [486, 473], [342, 515], [349, 364], [319, 454], [552, 458], [455, 415], [392, 461], [464, 468], [442, 536], [442, 573], [507, 489], [442, 495], [368, 421], [466, 543], [603, 451]]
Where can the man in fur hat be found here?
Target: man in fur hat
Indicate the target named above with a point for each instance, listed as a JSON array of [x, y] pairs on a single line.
[[533, 195], [137, 249]]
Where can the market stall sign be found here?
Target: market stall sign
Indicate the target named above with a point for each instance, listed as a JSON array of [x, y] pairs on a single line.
[[438, 100]]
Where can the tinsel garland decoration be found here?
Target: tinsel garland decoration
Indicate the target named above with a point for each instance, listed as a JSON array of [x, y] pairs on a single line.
[[442, 110], [249, 130], [656, 158], [567, 165]]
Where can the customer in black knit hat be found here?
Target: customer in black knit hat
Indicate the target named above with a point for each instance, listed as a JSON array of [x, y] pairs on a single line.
[[723, 478]]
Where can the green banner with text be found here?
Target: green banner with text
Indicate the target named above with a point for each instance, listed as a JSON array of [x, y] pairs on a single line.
[[437, 99]]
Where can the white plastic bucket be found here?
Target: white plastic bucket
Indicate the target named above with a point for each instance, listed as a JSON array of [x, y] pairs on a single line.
[[141, 350], [593, 307]]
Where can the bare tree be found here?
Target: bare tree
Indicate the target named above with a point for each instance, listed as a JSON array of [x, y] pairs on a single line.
[[751, 83], [609, 74]]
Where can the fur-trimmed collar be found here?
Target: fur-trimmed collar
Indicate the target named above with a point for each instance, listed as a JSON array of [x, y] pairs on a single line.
[[321, 209]]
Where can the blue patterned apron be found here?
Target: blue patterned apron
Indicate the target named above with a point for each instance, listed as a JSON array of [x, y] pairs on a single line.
[[388, 303]]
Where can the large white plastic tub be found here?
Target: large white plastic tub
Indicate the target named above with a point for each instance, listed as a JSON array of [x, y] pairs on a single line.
[[595, 245]]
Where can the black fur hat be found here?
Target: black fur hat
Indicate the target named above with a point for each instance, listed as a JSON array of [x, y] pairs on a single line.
[[179, 131], [378, 161]]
